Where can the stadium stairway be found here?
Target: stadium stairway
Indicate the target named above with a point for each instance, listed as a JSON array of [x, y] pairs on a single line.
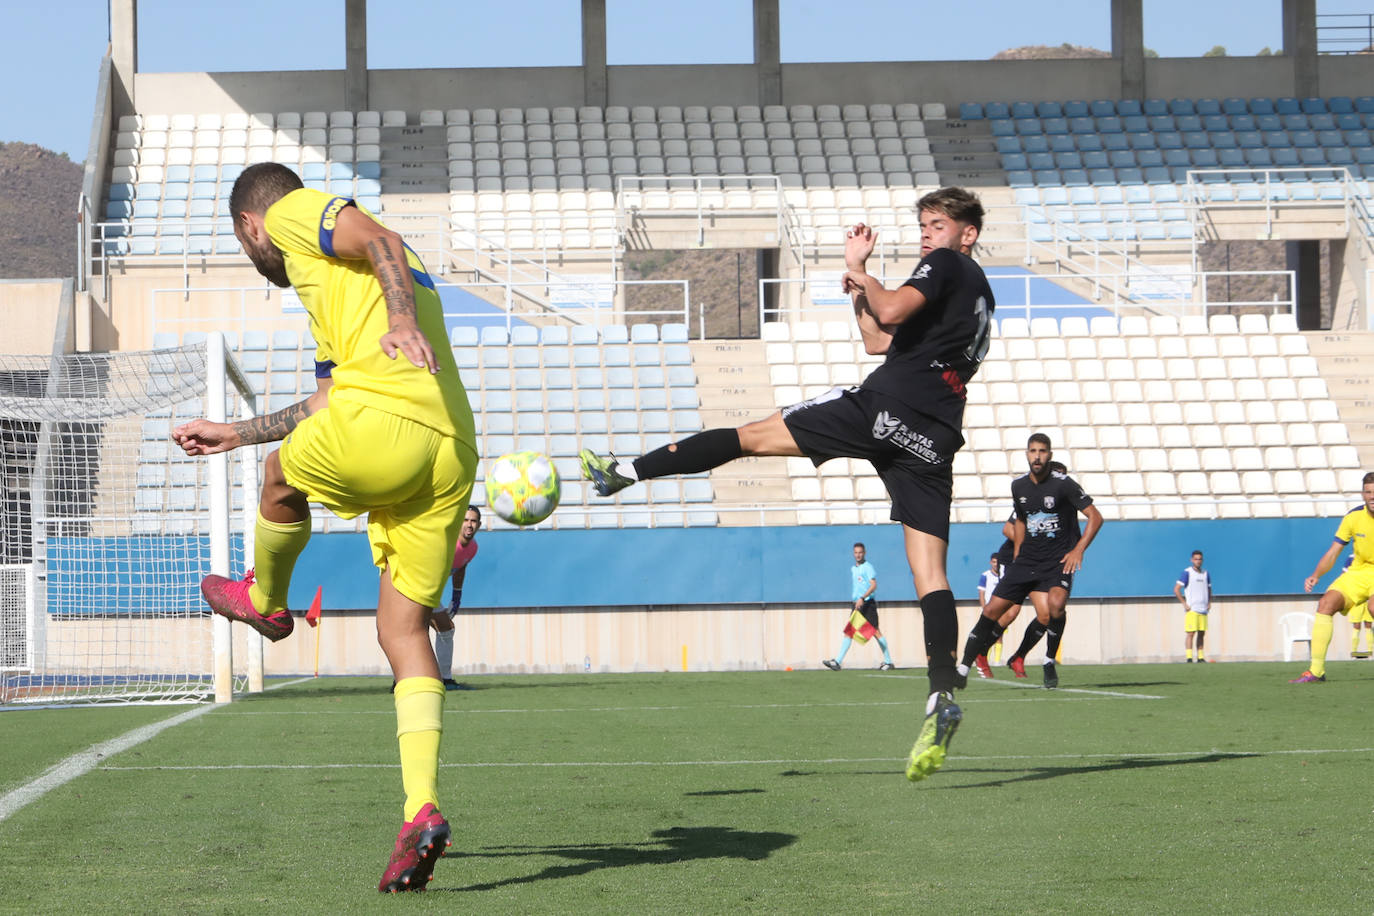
[[1341, 363]]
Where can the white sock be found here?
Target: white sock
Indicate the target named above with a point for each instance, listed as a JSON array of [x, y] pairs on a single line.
[[930, 702], [626, 469], [443, 653], [962, 669]]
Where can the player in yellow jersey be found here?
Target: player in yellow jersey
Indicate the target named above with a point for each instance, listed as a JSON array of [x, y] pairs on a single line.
[[1351, 588], [388, 432]]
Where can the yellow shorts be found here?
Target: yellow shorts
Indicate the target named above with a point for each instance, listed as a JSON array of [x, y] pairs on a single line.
[[412, 481], [1359, 613], [1356, 586], [1193, 622]]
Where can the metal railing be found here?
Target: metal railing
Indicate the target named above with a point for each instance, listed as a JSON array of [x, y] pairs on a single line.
[[1199, 193], [1345, 33], [1196, 300]]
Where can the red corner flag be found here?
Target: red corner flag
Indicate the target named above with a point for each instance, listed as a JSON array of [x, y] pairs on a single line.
[[312, 616]]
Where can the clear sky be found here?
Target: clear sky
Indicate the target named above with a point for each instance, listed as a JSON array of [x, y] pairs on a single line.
[[52, 57]]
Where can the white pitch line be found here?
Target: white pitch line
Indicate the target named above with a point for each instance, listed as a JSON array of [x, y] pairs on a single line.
[[997, 683], [1143, 755], [83, 762]]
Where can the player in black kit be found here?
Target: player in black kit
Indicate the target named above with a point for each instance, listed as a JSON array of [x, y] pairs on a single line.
[[1049, 550], [904, 419]]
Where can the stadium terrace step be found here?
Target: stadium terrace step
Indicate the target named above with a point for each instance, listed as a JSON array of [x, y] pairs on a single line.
[[393, 172]]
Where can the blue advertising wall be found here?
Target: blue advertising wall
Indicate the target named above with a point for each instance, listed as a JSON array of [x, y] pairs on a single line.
[[779, 565], [810, 563]]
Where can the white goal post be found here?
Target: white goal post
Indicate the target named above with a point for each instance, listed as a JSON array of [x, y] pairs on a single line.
[[107, 527]]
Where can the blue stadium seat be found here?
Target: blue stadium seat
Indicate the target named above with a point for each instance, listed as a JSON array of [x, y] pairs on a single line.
[[119, 209], [1321, 122], [1026, 197], [1169, 139], [1349, 122], [1312, 155], [1157, 175], [1197, 139], [1047, 177], [1035, 143], [1096, 159], [1049, 110], [1145, 141], [1076, 108], [1109, 124], [1261, 106], [1002, 127], [553, 334], [1294, 122], [1206, 107], [1303, 139], [1161, 122], [1063, 143], [1286, 158], [970, 111], [1116, 141], [557, 379], [1088, 142], [1269, 122], [1007, 145], [1185, 123], [1014, 162], [1022, 109], [1234, 106], [1201, 158], [1155, 107], [1313, 105], [1244, 122], [1102, 108], [1028, 126], [674, 332], [1020, 178], [1074, 177], [1068, 160], [1287, 105], [1259, 157], [1135, 124], [1129, 107], [1216, 123], [1221, 139], [1276, 139], [1340, 104], [1121, 158], [1102, 176], [1365, 104], [1181, 107], [493, 336], [1368, 120], [996, 110]]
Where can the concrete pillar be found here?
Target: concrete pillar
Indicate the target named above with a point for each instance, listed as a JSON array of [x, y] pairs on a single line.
[[768, 52], [1128, 46], [123, 54], [355, 55], [594, 83], [1300, 44]]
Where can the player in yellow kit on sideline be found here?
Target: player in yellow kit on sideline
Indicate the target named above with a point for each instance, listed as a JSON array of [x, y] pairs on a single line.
[[388, 432], [1352, 588]]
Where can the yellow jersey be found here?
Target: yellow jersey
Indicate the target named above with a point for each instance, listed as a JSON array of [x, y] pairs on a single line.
[[1358, 526], [348, 318]]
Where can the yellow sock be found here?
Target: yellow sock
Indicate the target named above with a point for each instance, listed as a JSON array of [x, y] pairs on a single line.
[[419, 725], [1355, 640], [1190, 651], [1321, 641], [275, 549]]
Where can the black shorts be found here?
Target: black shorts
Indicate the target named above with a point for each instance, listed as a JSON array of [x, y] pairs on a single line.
[[869, 610], [912, 453], [1020, 580]]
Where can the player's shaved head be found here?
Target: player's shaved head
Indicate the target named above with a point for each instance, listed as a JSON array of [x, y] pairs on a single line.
[[260, 186]]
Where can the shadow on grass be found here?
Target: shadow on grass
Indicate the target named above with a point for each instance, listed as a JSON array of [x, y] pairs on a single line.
[[670, 846], [714, 792], [1035, 774]]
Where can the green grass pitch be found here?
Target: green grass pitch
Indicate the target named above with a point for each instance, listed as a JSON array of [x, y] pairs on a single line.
[[1133, 789]]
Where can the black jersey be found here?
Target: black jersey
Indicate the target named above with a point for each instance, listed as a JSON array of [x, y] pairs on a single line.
[[1050, 511], [1007, 551], [937, 350]]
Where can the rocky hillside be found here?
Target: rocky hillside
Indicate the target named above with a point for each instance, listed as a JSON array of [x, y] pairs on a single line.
[[38, 195]]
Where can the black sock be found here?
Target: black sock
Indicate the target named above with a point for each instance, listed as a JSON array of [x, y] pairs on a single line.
[[985, 632], [1055, 632], [942, 632], [692, 455], [1033, 633]]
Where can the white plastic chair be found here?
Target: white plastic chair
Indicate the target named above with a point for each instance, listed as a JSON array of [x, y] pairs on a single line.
[[1294, 627]]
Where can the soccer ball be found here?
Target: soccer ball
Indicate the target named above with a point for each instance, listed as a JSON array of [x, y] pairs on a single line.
[[523, 487]]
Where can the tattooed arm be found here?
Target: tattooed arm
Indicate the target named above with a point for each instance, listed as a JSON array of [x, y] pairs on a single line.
[[358, 236], [204, 437]]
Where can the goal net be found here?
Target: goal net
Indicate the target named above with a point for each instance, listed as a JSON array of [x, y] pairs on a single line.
[[107, 527]]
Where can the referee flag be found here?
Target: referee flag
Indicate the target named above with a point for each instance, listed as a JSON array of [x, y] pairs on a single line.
[[859, 629]]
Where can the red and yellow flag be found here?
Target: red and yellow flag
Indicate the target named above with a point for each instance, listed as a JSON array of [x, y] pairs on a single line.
[[859, 629], [312, 616]]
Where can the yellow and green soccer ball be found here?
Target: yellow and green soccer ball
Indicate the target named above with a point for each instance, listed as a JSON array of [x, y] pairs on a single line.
[[523, 487]]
